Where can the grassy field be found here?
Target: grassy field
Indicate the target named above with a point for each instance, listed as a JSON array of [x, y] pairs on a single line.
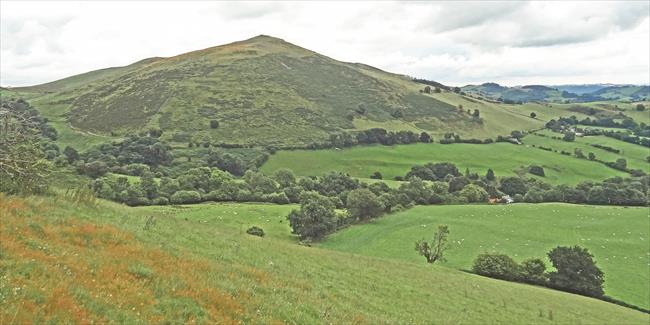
[[391, 161], [618, 237], [69, 262], [634, 154]]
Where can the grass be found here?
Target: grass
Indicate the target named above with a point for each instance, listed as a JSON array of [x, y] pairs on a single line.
[[618, 237], [391, 161], [635, 155], [72, 263]]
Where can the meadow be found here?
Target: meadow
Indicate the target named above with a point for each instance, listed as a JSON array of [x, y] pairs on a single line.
[[505, 159], [618, 237], [69, 261], [635, 155]]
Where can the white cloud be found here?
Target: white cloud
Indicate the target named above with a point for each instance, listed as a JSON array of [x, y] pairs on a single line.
[[455, 42]]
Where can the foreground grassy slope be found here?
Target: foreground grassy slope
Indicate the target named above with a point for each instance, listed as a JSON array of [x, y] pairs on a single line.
[[65, 262], [618, 237], [390, 161]]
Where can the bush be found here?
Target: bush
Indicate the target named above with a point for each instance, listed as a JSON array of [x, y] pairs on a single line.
[[498, 266], [214, 124], [533, 271], [376, 175], [160, 201], [255, 231], [536, 170], [185, 197]]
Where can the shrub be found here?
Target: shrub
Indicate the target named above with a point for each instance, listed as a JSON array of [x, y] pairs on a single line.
[[376, 175], [533, 271], [255, 231], [185, 197], [160, 201], [498, 266], [214, 124], [536, 170]]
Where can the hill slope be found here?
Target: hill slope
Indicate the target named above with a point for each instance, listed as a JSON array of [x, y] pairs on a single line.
[[67, 262], [259, 86], [262, 91]]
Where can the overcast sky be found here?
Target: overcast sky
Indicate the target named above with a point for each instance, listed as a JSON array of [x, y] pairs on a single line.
[[512, 43]]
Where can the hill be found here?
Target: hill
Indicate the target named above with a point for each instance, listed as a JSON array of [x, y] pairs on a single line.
[[627, 92], [261, 92], [517, 94], [68, 261], [557, 94]]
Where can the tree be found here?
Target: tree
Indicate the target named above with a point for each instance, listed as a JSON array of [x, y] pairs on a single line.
[[591, 156], [315, 218], [364, 204], [578, 153], [427, 90], [435, 250], [458, 183], [513, 185], [95, 169], [476, 113], [71, 154], [576, 271], [474, 193], [149, 185], [23, 165], [376, 175], [569, 136], [620, 164], [533, 114], [437, 90], [284, 177], [214, 124], [425, 137], [490, 175], [498, 266], [640, 107]]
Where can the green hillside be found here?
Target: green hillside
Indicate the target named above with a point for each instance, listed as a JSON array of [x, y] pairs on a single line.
[[262, 91], [68, 261], [618, 237], [390, 161]]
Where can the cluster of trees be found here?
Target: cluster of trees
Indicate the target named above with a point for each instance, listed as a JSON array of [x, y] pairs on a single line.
[[639, 129], [197, 185], [575, 270], [455, 138], [377, 136], [130, 156]]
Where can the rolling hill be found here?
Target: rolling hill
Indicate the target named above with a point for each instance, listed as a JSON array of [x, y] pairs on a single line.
[[262, 92], [563, 93]]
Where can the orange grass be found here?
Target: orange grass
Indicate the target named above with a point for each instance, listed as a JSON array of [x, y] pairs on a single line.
[[69, 271]]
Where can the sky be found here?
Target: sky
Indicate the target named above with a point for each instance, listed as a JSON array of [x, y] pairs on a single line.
[[456, 43]]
